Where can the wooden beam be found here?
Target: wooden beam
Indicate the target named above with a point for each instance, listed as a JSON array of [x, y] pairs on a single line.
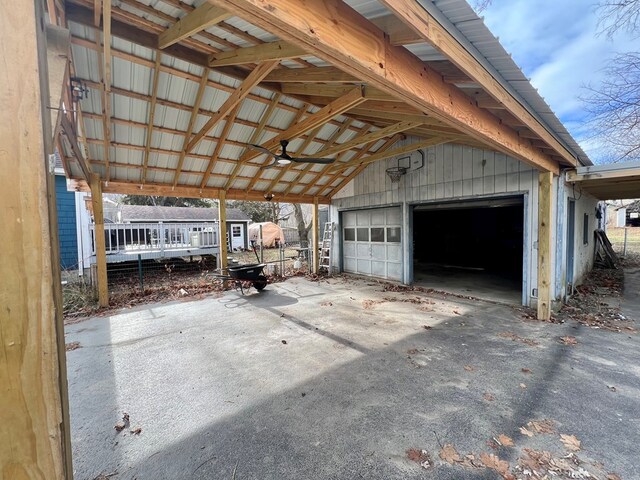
[[255, 138], [333, 190], [149, 188], [203, 17], [101, 253], [267, 51], [315, 231], [219, 145], [150, 119], [349, 41], [34, 430], [369, 137], [106, 81], [311, 75], [192, 122], [337, 107], [331, 141], [418, 19], [222, 230], [72, 138], [252, 80], [390, 153], [545, 225], [397, 31], [332, 91]]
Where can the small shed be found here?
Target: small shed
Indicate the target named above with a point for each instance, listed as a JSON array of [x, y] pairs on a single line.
[[237, 220]]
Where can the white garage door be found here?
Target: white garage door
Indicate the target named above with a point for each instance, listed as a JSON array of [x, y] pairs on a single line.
[[372, 242]]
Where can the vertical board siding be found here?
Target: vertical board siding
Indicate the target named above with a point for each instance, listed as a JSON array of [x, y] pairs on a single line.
[[66, 207], [450, 172]]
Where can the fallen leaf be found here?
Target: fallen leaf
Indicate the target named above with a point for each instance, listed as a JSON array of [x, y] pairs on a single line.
[[613, 476], [449, 454], [119, 426], [568, 340], [570, 442], [505, 441], [412, 351], [612, 388], [494, 463], [470, 461], [136, 431], [427, 327], [526, 432], [469, 368], [72, 346], [421, 457], [541, 426], [526, 370], [522, 385], [284, 342], [488, 397]]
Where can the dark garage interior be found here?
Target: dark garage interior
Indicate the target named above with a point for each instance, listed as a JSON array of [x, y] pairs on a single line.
[[472, 248]]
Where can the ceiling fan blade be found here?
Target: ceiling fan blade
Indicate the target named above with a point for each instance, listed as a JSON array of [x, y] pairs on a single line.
[[273, 164], [324, 161], [260, 149]]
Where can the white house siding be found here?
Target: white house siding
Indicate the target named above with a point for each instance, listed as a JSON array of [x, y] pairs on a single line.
[[451, 172]]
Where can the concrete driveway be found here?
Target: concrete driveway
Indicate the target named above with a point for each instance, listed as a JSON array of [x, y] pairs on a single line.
[[339, 379]]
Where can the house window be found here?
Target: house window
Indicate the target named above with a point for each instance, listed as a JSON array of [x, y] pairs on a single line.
[[585, 230], [350, 234], [393, 234], [377, 234], [236, 231], [363, 234]]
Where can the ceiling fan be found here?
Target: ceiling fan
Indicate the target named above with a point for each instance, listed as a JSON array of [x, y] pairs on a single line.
[[284, 158]]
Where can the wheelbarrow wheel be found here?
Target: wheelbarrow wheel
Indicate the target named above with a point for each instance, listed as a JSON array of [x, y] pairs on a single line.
[[260, 283]]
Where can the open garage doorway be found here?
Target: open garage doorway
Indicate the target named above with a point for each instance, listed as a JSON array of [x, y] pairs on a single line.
[[471, 248]]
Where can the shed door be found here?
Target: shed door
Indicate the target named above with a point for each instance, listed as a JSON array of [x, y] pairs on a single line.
[[237, 236], [372, 242]]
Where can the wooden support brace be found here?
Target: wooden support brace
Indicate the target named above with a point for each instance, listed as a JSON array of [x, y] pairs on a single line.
[[101, 254], [545, 210], [315, 237], [222, 226]]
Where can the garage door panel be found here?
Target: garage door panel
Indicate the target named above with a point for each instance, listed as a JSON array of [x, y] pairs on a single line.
[[372, 242], [364, 266]]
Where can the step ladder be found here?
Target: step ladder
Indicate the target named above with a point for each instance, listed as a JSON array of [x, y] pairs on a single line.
[[325, 247]]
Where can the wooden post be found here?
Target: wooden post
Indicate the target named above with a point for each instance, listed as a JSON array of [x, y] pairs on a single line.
[[101, 254], [222, 217], [35, 436], [545, 202], [314, 237]]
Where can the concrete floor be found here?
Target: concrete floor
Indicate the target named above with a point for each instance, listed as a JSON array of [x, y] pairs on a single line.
[[220, 395], [468, 282]]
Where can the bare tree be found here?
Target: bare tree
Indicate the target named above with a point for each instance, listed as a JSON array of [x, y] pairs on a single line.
[[303, 227], [615, 106], [618, 16]]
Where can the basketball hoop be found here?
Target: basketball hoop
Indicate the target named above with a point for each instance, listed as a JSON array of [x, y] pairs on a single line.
[[396, 173]]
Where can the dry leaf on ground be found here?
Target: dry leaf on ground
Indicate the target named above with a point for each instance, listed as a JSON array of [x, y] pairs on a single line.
[[569, 340], [494, 463], [469, 368], [504, 440], [421, 457], [72, 346], [488, 397], [522, 385], [449, 454], [541, 426], [136, 431], [516, 338], [526, 432], [613, 476], [570, 442], [526, 370]]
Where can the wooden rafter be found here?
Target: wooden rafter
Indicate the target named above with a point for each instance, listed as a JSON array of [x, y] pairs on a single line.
[[331, 141], [192, 122], [369, 137], [332, 90], [390, 153], [372, 58], [219, 145], [253, 79], [105, 73], [134, 188], [418, 19], [203, 17], [384, 147], [72, 136], [258, 53], [311, 75], [255, 137], [322, 116], [152, 111]]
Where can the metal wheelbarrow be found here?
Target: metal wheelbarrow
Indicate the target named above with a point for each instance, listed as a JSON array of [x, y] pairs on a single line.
[[245, 276]]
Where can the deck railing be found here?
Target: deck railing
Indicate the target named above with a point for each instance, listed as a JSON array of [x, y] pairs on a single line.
[[162, 237]]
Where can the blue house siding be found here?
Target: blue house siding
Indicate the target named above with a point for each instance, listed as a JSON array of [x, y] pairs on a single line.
[[66, 206]]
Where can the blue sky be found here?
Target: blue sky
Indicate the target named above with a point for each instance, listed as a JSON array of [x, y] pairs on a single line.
[[555, 42]]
